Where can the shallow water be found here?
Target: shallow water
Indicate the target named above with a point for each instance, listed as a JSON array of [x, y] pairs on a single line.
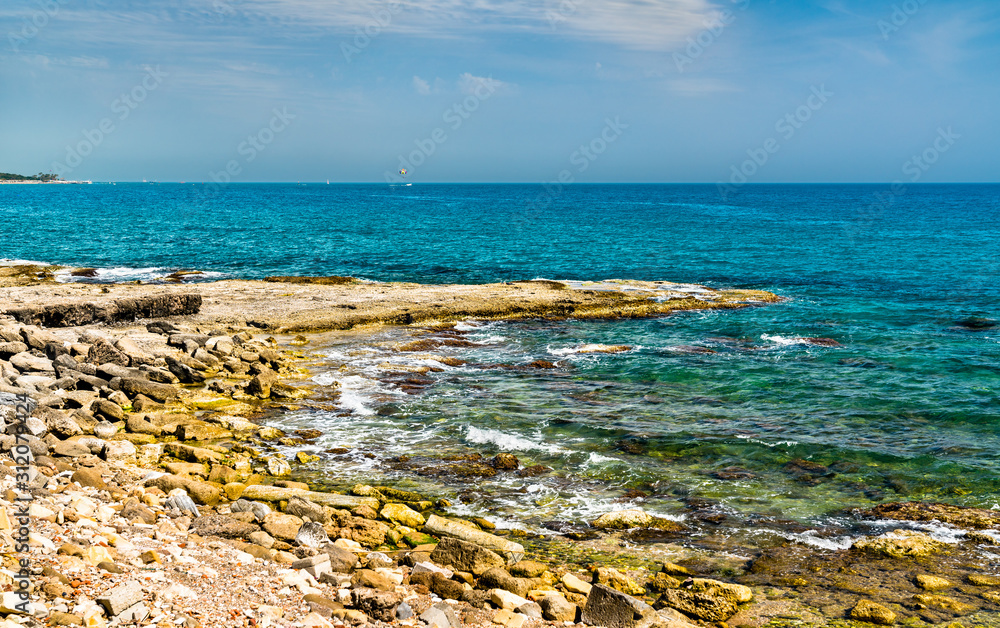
[[727, 418]]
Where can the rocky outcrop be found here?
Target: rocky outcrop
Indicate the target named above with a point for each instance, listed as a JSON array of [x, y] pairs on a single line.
[[119, 311]]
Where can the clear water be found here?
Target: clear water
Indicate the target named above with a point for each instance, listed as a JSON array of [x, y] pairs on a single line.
[[908, 408]]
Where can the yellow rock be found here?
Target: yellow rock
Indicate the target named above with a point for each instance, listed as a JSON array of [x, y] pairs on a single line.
[[866, 610], [931, 583], [899, 544]]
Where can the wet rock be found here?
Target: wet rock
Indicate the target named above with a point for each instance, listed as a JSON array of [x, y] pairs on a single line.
[[871, 612], [976, 323], [615, 579], [705, 599], [614, 609], [505, 462], [633, 518], [973, 518], [899, 544], [403, 515], [439, 526], [931, 583]]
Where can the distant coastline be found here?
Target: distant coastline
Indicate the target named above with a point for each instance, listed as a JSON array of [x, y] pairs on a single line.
[[33, 181], [7, 177]]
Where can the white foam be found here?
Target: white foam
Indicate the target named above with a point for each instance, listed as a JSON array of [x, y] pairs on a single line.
[[596, 458], [507, 442], [4, 261], [811, 537], [784, 341]]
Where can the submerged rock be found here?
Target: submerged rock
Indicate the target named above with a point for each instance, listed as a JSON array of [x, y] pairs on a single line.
[[634, 518], [705, 599], [866, 610]]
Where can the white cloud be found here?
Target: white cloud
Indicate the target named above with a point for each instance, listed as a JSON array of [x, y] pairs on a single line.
[[468, 84], [423, 87]]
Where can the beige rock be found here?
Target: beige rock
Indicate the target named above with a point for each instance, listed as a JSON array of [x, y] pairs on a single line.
[[575, 585], [403, 515]]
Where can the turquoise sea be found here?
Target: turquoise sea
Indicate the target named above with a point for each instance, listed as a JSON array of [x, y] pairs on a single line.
[[725, 419]]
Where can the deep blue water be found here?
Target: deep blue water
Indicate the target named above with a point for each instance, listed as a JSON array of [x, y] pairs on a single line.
[[907, 408]]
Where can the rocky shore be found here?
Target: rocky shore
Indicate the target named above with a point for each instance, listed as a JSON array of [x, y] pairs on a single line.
[[153, 494]]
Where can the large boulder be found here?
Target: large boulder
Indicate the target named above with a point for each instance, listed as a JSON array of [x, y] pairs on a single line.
[[403, 515], [28, 363], [465, 556], [511, 551], [899, 544], [614, 609], [133, 386], [705, 599], [282, 526], [497, 578]]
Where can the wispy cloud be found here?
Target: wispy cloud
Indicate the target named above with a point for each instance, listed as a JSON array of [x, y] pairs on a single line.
[[634, 24]]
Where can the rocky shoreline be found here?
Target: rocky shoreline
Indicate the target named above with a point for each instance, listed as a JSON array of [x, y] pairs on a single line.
[[156, 497]]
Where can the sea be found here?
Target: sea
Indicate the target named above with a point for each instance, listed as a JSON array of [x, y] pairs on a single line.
[[734, 423]]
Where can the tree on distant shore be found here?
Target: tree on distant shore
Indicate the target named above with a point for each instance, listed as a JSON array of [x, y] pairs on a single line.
[[41, 176]]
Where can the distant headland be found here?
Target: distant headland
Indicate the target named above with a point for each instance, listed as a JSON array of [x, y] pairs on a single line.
[[6, 177]]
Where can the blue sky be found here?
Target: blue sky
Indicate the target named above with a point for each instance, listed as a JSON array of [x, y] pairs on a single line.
[[501, 90]]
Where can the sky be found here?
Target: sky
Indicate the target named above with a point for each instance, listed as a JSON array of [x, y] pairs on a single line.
[[716, 91]]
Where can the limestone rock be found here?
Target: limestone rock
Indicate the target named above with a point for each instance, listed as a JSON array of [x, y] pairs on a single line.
[[706, 599], [465, 556], [403, 515], [899, 544], [511, 551], [866, 610]]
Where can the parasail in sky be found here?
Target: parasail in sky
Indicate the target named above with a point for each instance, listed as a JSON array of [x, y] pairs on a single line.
[[402, 171]]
